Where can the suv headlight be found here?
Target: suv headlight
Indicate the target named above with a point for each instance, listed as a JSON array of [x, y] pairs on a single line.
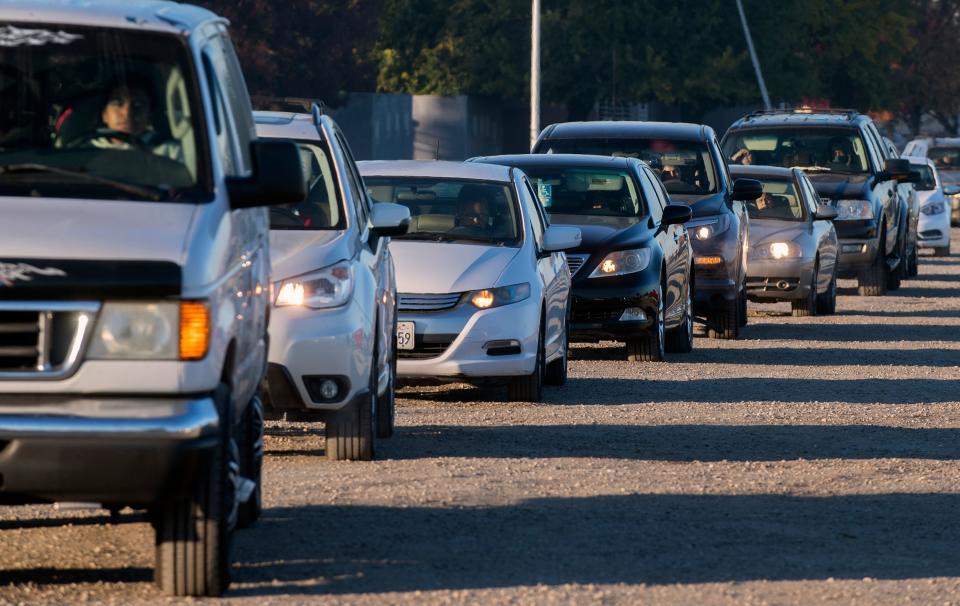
[[777, 250], [495, 297], [704, 229], [323, 289], [622, 262], [854, 210], [934, 208], [151, 331]]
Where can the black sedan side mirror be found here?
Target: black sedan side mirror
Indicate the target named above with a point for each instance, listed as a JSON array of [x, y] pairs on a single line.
[[277, 177], [747, 189], [675, 214]]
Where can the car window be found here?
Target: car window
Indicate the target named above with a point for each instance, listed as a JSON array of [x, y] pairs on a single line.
[[92, 112], [660, 198], [530, 203], [810, 193], [945, 158], [780, 201], [586, 191], [928, 181], [840, 150], [358, 191], [235, 95], [462, 211], [541, 212], [323, 207], [226, 145]]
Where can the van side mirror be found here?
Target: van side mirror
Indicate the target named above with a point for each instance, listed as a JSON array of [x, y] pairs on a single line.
[[277, 177], [675, 214], [895, 169], [747, 189], [388, 219]]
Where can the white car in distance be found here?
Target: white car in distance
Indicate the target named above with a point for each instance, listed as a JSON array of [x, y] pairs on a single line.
[[332, 325], [933, 229], [484, 289]]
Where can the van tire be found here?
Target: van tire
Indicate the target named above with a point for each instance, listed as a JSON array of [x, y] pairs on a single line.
[[251, 461]]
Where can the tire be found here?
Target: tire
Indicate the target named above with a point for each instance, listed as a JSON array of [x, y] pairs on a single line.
[[827, 301], [743, 307], [913, 268], [350, 430], [649, 347], [387, 404], [194, 533], [556, 371], [529, 388], [896, 276], [680, 339], [724, 321], [872, 281], [251, 462], [802, 308], [941, 251]]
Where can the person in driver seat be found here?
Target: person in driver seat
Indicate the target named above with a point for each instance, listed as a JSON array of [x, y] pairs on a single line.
[[126, 119], [473, 208]]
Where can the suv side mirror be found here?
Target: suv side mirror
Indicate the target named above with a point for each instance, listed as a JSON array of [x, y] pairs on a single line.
[[747, 189], [675, 214], [896, 169], [277, 177], [825, 213], [389, 219], [561, 237]]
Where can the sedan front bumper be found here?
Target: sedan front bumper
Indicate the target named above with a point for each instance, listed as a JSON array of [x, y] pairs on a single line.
[[780, 280]]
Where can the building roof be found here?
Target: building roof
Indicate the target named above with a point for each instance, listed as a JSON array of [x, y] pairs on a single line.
[[556, 160], [628, 130], [435, 169], [157, 15]]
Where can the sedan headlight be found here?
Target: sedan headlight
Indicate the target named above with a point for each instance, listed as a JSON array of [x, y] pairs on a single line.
[[854, 210], [704, 229], [778, 250], [151, 331], [495, 297], [329, 287], [622, 262], [934, 208]]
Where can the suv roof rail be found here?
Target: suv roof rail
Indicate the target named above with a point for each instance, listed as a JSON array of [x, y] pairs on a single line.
[[290, 104], [850, 113], [318, 109]]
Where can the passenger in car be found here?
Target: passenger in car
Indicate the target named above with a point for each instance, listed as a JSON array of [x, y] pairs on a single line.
[[126, 117]]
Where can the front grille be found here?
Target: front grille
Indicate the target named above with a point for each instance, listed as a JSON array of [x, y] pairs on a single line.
[[425, 302], [772, 284], [595, 315], [575, 262], [426, 347], [931, 234], [20, 340], [42, 340]]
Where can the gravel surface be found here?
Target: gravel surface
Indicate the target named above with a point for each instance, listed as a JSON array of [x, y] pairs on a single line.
[[812, 462]]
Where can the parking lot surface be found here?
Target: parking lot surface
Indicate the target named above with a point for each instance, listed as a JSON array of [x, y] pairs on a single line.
[[812, 462]]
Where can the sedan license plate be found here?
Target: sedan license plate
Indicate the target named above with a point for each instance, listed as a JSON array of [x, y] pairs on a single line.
[[405, 335]]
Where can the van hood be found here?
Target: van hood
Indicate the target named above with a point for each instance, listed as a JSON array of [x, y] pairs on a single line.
[[837, 185], [440, 268], [50, 228], [296, 252]]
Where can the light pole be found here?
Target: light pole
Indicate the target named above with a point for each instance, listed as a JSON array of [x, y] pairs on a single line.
[[535, 75], [753, 56]]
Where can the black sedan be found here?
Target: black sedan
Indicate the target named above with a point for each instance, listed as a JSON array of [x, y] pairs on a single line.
[[688, 160], [632, 272]]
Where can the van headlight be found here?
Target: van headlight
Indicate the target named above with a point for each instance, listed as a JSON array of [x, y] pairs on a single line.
[[495, 297], [323, 289], [137, 331], [622, 262], [854, 210]]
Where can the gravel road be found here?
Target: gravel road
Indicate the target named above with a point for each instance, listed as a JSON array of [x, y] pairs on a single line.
[[812, 462]]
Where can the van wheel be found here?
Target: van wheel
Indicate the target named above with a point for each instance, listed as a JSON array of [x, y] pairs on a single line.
[[350, 430], [193, 534], [529, 388], [680, 339], [801, 308], [872, 281], [251, 459], [556, 371], [827, 301], [650, 347]]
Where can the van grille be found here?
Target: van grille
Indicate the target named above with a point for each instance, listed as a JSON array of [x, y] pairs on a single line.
[[43, 341], [19, 340]]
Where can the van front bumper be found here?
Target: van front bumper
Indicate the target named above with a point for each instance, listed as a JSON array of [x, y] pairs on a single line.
[[120, 451]]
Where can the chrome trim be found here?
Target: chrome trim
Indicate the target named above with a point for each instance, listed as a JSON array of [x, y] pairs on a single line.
[[148, 418], [575, 262], [84, 306], [427, 302], [85, 314]]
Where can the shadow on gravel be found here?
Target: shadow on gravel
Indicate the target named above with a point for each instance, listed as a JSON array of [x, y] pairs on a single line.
[[853, 332], [902, 313], [70, 576], [682, 443], [826, 356], [134, 518], [653, 539]]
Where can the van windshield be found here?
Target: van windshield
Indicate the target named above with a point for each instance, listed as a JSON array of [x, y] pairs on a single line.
[[453, 210], [98, 113]]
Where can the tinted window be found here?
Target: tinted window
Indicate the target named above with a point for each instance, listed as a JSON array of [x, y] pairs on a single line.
[[322, 209], [577, 191], [927, 180], [780, 201], [945, 158], [812, 149]]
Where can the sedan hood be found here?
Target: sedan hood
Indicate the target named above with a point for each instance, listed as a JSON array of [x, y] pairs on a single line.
[[836, 185], [439, 268], [603, 232], [296, 252], [765, 231], [701, 206], [45, 228]]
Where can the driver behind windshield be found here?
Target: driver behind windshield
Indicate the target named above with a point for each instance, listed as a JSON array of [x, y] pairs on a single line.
[[126, 119]]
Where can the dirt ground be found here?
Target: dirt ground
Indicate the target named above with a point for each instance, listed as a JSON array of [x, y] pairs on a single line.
[[812, 462]]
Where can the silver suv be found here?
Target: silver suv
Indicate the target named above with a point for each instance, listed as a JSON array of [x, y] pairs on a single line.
[[134, 272]]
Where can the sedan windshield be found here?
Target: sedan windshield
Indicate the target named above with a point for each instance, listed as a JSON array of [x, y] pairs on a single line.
[[945, 158], [571, 191], [451, 210], [812, 149], [322, 208], [98, 113], [779, 202], [685, 167]]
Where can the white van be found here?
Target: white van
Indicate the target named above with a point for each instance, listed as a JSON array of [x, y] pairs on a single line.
[[134, 285]]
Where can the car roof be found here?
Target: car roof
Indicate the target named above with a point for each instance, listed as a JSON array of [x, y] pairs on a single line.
[[628, 130], [288, 125], [738, 170], [561, 160], [920, 161], [934, 142], [435, 169], [159, 15], [813, 117]]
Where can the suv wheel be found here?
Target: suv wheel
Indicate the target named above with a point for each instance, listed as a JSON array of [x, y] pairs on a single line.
[[193, 533], [650, 347], [872, 281], [807, 306], [529, 388], [680, 339], [251, 461], [350, 430]]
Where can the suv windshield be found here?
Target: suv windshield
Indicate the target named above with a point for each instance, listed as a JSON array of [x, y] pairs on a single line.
[[576, 191], [812, 149], [779, 202], [98, 113], [322, 208], [449, 210], [685, 167], [945, 158]]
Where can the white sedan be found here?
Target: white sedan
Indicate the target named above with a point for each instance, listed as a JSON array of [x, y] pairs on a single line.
[[933, 229]]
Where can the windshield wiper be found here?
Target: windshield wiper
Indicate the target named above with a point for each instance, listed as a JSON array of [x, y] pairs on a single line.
[[436, 236], [128, 188]]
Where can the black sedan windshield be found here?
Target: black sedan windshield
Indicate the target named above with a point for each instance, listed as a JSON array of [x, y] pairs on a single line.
[[577, 191]]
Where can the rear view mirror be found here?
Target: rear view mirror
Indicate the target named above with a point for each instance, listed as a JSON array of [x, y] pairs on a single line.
[[825, 213], [277, 177], [389, 219], [747, 189], [951, 190], [561, 237], [675, 214]]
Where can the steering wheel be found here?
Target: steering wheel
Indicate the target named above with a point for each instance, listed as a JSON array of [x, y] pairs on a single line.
[[109, 134]]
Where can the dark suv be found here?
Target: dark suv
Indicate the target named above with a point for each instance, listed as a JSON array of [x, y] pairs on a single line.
[[687, 159], [843, 154]]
